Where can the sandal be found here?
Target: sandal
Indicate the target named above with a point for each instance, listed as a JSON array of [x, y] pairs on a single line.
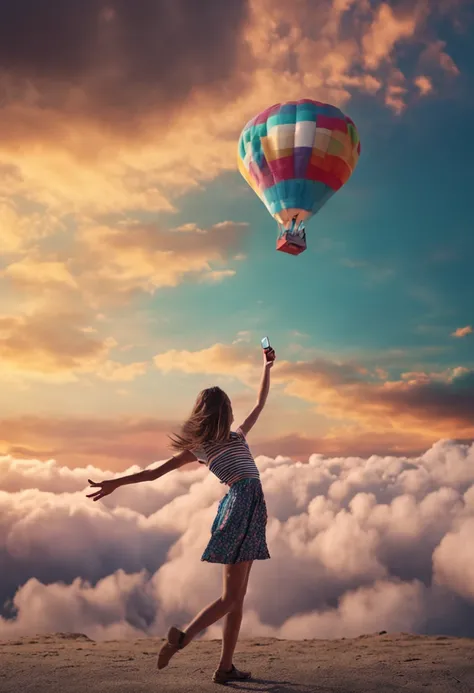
[[172, 645], [221, 676]]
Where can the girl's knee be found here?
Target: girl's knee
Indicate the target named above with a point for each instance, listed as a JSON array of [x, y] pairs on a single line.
[[228, 601], [233, 602]]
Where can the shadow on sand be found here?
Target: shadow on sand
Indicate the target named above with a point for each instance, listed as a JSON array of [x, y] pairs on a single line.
[[271, 686]]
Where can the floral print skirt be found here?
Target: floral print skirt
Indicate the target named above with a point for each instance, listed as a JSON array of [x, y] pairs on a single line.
[[239, 530]]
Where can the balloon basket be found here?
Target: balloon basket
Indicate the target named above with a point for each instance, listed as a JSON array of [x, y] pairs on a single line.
[[291, 239]]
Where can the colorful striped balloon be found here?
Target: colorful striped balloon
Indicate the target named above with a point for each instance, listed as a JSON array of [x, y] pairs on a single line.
[[295, 156]]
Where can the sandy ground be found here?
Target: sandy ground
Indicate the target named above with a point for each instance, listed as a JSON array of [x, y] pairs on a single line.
[[70, 663]]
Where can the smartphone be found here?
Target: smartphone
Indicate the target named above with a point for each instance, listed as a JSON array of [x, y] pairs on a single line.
[[267, 348]]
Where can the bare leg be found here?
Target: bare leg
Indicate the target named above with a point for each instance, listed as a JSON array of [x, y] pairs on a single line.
[[231, 630], [235, 577]]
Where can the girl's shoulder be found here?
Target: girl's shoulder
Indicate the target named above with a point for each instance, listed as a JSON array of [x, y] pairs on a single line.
[[210, 446], [238, 434], [235, 436]]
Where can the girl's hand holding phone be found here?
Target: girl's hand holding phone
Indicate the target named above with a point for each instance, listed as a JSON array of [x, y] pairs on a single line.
[[269, 358]]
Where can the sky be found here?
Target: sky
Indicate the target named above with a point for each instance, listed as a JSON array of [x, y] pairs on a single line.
[[137, 267]]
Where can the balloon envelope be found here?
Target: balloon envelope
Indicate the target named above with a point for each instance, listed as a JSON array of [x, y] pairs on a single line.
[[296, 155]]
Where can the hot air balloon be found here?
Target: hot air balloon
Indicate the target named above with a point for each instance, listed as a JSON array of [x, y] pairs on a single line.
[[295, 156]]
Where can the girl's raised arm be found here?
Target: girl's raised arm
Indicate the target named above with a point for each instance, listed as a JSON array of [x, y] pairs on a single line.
[[251, 420], [105, 488]]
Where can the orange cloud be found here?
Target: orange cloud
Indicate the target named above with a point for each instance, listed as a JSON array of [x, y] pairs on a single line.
[[18, 230], [395, 92], [34, 273], [57, 346], [385, 32], [462, 331], [424, 84], [121, 260], [341, 441], [113, 262], [431, 405], [139, 157], [219, 359], [119, 372], [78, 442]]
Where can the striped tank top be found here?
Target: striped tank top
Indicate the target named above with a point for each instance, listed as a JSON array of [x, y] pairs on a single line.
[[230, 461]]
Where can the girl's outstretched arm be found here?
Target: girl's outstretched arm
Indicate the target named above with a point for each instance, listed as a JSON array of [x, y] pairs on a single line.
[[252, 418], [104, 488]]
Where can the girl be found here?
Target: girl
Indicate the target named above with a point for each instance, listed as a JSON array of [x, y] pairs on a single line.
[[238, 533]]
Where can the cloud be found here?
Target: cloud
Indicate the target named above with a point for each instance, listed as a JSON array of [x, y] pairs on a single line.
[[395, 94], [424, 84], [219, 359], [58, 345], [88, 101], [453, 559], [341, 440], [98, 268], [108, 59], [106, 129], [106, 611], [84, 442], [19, 230], [357, 545], [48, 344], [217, 276], [435, 54], [122, 373], [122, 260], [385, 32], [36, 273], [242, 337], [422, 403], [462, 331]]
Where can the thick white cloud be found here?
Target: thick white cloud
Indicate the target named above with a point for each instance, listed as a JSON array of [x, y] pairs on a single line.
[[357, 545]]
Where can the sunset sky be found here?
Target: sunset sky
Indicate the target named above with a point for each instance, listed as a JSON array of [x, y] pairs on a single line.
[[137, 266]]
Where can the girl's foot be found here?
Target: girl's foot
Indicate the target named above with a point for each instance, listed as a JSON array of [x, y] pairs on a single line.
[[221, 676], [172, 645]]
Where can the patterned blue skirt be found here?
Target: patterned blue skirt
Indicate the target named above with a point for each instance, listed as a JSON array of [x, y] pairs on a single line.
[[239, 530]]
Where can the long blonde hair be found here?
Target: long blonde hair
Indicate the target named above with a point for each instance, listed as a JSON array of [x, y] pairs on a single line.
[[210, 420]]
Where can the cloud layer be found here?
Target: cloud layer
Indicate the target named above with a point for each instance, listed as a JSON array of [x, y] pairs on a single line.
[[357, 545]]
